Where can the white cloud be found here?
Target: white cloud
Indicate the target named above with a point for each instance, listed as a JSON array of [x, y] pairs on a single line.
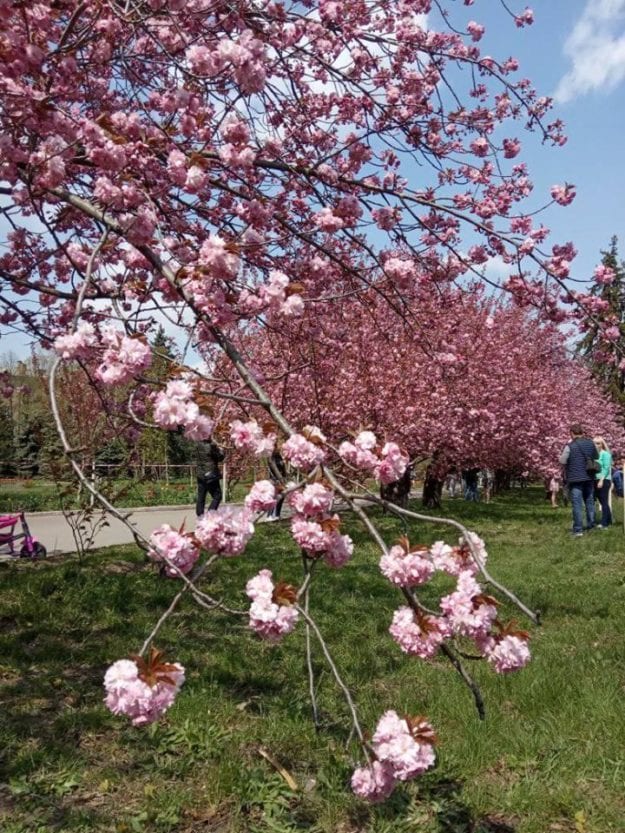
[[596, 48]]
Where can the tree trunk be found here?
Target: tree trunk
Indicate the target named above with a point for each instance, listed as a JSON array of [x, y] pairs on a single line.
[[432, 490], [398, 491], [503, 480]]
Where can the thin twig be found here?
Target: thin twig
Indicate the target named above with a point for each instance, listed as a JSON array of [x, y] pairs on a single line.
[[348, 697], [311, 673], [535, 617]]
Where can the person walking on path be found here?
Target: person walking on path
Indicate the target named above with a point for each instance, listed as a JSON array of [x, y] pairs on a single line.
[[580, 457], [471, 477], [554, 488], [208, 456], [603, 482], [277, 475]]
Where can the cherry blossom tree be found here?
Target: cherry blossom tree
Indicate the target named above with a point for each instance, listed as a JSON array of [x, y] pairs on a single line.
[[218, 167], [490, 385]]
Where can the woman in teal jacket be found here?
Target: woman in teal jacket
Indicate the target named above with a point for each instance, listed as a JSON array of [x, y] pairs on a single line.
[[604, 482]]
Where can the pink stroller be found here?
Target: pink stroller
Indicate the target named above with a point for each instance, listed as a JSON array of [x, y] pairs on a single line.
[[31, 548]]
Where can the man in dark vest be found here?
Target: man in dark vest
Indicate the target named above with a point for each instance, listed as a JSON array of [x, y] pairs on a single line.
[[577, 459], [208, 456]]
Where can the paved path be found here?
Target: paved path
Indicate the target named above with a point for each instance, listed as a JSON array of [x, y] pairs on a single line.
[[54, 532]]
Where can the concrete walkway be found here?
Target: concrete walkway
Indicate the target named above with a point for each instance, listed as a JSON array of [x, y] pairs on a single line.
[[53, 531], [55, 534]]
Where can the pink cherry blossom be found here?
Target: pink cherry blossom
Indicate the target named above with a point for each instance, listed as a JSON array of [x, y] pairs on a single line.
[[604, 274], [173, 547], [418, 635], [174, 407], [218, 258], [123, 359], [272, 614], [309, 535], [511, 148], [505, 653], [262, 496], [127, 693], [407, 569], [476, 30], [250, 437], [374, 782], [469, 611], [339, 550], [395, 744], [77, 345], [563, 194], [303, 454], [225, 531], [314, 499]]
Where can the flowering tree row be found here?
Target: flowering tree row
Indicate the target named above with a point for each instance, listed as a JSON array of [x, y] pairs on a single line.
[[467, 380], [222, 167]]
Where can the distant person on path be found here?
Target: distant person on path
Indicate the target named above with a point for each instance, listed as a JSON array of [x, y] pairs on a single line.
[[578, 457], [554, 488], [452, 483], [208, 456], [617, 480], [603, 483], [277, 475], [471, 484]]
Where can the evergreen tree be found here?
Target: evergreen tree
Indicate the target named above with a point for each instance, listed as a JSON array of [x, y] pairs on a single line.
[[605, 358], [29, 443], [7, 441]]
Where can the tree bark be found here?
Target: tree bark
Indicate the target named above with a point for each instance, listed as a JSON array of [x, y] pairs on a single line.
[[432, 490], [398, 492]]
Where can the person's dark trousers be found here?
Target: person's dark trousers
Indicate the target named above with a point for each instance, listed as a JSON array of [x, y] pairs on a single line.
[[603, 496], [582, 496], [213, 487], [277, 509]]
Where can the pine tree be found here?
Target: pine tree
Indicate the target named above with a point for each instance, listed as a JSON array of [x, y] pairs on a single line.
[[7, 441], [604, 357]]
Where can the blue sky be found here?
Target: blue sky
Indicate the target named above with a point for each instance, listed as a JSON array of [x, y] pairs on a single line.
[[574, 51]]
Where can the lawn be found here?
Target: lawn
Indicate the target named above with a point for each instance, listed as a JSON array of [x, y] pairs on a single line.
[[549, 757], [40, 495]]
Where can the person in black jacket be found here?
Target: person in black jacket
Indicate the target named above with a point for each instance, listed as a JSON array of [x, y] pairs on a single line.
[[277, 475], [208, 456], [578, 458]]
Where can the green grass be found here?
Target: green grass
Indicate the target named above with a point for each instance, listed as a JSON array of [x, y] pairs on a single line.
[[39, 495], [550, 756]]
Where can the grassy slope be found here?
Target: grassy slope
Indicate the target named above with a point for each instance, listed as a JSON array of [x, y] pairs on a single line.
[[550, 756]]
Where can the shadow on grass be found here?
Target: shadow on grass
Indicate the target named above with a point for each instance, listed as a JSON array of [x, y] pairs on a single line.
[[440, 807]]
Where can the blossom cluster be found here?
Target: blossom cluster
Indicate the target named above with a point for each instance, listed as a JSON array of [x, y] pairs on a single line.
[[404, 749], [124, 357], [277, 296], [141, 697], [305, 451], [468, 611], [261, 497], [77, 345], [226, 530], [406, 568], [386, 464], [315, 529], [321, 537], [272, 612], [169, 547], [251, 438], [505, 651], [465, 612], [174, 407]]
